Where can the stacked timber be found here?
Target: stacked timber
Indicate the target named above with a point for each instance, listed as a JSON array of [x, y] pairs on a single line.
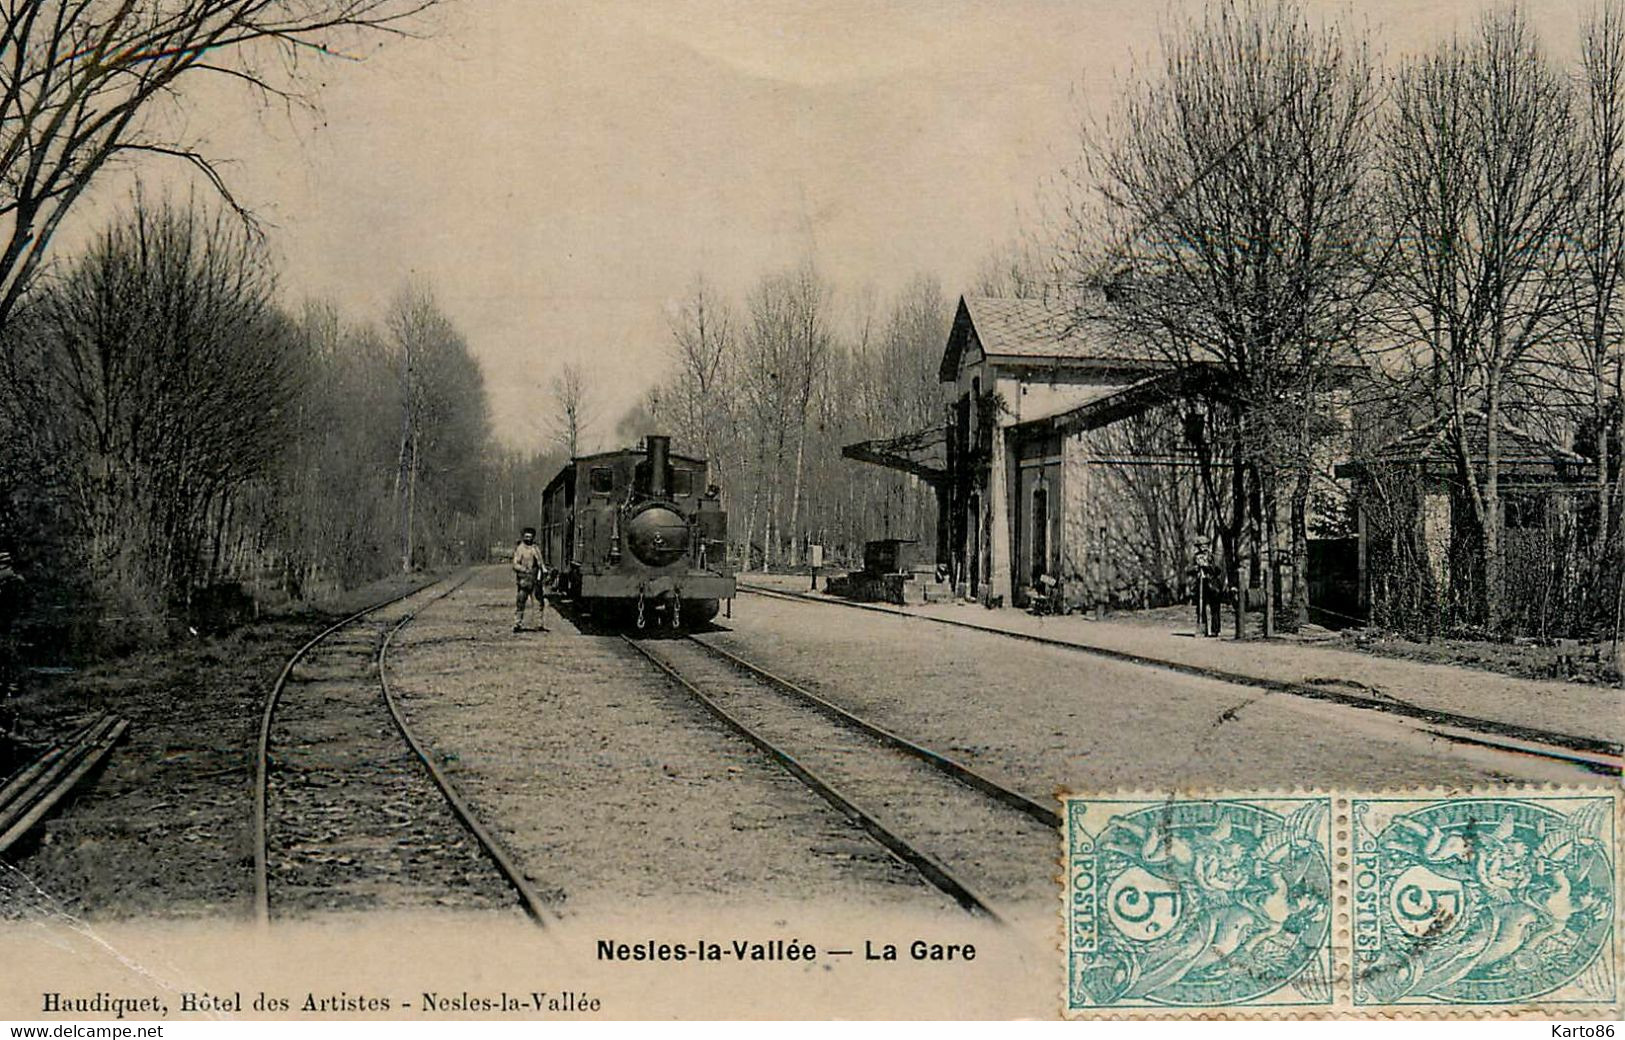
[[28, 796]]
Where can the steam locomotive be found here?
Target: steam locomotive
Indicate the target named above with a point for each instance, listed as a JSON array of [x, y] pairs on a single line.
[[640, 532]]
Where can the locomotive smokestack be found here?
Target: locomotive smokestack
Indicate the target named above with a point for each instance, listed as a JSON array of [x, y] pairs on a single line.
[[658, 448]]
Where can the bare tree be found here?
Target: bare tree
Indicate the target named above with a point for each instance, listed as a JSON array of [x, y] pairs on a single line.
[[810, 347], [788, 346], [1599, 253], [898, 368], [574, 409], [763, 389], [83, 81], [1596, 267], [1231, 202], [1479, 193], [1014, 270], [444, 420], [161, 368], [703, 348]]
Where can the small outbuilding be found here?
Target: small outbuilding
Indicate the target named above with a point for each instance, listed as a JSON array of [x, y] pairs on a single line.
[[1414, 514]]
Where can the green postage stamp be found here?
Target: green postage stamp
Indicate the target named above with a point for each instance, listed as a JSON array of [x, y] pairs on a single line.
[[1481, 902]]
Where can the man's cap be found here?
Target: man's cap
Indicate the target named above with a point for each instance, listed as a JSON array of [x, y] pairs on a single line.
[[528, 530]]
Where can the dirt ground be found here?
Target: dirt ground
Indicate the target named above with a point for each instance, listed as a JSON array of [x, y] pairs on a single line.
[[1582, 709], [1046, 717], [614, 787], [1588, 663], [163, 829], [610, 785]]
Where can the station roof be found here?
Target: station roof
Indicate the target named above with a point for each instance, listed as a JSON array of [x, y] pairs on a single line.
[[1039, 330], [1197, 378], [924, 453]]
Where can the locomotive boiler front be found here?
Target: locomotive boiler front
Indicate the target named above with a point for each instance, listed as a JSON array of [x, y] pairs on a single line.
[[657, 536]]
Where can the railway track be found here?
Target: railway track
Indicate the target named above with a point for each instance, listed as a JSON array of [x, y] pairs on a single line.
[[964, 833], [1589, 754], [350, 810]]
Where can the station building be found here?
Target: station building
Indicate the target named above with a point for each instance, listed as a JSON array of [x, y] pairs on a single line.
[[1060, 468], [1070, 464]]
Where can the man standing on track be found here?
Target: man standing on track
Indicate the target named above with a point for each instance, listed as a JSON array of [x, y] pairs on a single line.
[[527, 576]]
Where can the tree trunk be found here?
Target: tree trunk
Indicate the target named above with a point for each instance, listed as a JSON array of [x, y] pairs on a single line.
[[1619, 625], [222, 518], [1600, 417], [410, 509], [1238, 520], [403, 494], [1266, 529], [795, 499], [1618, 492], [771, 531], [1299, 609], [1492, 506], [750, 524]]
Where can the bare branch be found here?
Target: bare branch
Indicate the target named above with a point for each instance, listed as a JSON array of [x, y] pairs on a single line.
[[77, 78]]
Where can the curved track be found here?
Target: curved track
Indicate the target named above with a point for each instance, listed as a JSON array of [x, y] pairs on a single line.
[[964, 833], [377, 680], [1590, 754]]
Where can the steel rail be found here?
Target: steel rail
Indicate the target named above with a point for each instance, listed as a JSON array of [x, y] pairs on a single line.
[[958, 770], [1601, 764], [1591, 753], [535, 906], [928, 866], [262, 890]]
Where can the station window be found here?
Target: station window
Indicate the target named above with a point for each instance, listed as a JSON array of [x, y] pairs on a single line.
[[601, 479], [682, 482]]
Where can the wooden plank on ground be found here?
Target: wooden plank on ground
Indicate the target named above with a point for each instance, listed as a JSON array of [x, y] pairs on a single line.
[[50, 786]]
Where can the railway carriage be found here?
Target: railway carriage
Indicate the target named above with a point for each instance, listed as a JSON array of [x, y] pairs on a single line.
[[640, 531]]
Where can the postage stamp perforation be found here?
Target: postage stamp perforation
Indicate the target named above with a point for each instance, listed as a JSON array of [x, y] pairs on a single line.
[[1422, 902]]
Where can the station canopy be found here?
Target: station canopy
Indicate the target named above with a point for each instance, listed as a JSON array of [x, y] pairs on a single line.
[[923, 453]]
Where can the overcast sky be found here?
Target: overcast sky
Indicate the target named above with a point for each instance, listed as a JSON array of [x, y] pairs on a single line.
[[560, 172]]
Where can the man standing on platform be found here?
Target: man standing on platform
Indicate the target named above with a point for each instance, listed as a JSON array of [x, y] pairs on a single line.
[[527, 576], [1209, 587]]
